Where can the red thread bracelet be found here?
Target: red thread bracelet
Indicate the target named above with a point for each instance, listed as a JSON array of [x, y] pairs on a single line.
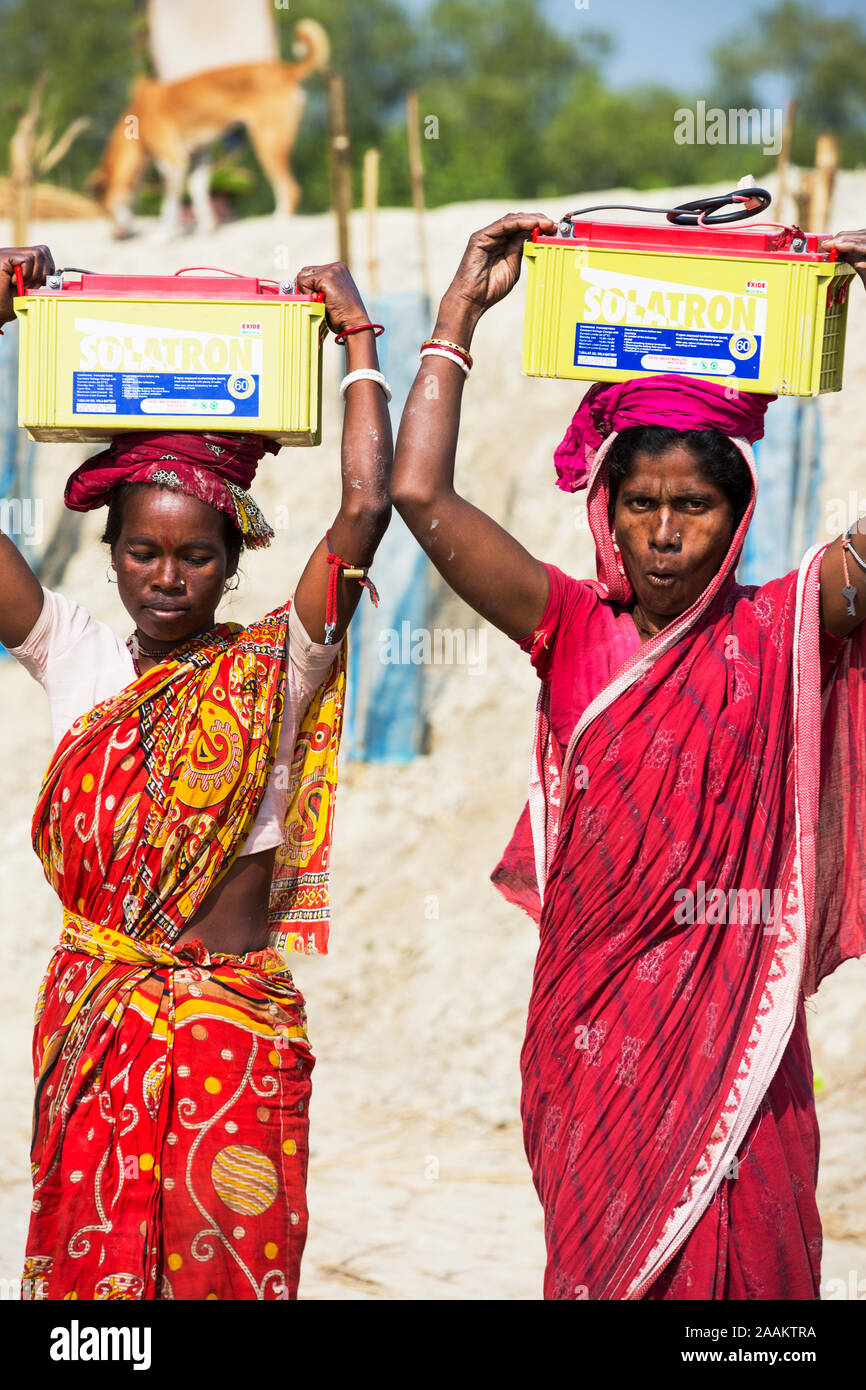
[[358, 572], [362, 328]]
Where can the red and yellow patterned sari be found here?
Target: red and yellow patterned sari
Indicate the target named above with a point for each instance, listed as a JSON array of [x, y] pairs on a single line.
[[170, 1130]]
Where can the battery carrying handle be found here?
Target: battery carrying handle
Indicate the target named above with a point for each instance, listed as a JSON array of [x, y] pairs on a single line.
[[212, 269], [699, 212]]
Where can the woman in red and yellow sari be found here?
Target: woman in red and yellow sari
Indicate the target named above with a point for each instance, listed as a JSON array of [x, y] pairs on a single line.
[[185, 824], [693, 848]]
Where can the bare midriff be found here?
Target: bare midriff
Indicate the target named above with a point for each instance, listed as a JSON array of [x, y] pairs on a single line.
[[234, 917]]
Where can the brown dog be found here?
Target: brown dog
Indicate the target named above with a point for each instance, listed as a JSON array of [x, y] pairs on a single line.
[[172, 123]]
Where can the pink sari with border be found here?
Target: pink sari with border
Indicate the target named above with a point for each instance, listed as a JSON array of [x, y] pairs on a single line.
[[710, 756]]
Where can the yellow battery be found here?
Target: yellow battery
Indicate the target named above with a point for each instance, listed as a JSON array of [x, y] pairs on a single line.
[[762, 311], [104, 354]]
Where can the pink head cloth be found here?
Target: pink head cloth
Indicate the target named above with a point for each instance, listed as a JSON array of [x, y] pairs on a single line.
[[215, 468], [680, 403]]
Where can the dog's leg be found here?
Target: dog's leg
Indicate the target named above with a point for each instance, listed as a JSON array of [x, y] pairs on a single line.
[[119, 209], [173, 173], [199, 192], [114, 183], [273, 135], [273, 155]]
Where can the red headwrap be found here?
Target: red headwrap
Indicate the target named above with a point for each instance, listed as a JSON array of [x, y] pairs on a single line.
[[216, 468], [681, 403]]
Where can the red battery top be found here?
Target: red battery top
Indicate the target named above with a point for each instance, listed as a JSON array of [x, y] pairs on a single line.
[[178, 286], [757, 242]]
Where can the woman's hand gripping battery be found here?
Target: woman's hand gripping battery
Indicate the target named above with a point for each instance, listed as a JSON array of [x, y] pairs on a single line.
[[344, 306], [36, 263], [490, 267], [851, 246]]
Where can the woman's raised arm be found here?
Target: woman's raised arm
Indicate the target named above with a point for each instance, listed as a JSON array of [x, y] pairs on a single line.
[[476, 556], [843, 580], [366, 459], [20, 590]]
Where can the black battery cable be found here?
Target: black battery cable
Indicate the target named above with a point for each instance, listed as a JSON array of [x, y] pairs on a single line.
[[700, 211]]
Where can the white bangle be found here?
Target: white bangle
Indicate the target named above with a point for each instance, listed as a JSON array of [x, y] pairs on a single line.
[[365, 374], [443, 352]]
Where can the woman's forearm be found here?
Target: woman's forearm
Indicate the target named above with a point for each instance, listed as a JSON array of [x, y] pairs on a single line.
[[365, 459], [21, 595], [481, 562], [427, 438]]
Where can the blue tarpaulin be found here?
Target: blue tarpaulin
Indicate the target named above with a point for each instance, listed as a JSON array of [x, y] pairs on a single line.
[[384, 708], [787, 514], [16, 448]]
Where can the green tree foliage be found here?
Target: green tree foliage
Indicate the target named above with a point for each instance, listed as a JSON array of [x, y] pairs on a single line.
[[525, 112], [495, 76], [511, 108], [824, 58], [605, 139], [375, 45], [90, 54]]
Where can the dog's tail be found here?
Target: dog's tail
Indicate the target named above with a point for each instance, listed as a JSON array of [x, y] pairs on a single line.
[[312, 44]]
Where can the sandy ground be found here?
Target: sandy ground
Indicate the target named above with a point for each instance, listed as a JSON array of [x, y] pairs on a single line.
[[419, 1188]]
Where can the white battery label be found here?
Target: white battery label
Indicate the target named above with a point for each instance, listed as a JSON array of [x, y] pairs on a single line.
[[149, 369], [165, 393], [667, 350]]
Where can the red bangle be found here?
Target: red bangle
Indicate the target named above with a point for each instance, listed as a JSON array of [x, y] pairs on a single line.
[[362, 328]]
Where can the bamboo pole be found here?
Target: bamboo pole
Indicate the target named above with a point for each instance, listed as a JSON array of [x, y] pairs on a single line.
[[823, 181], [371, 200], [31, 153], [21, 154], [783, 165], [416, 174], [802, 195], [341, 165]]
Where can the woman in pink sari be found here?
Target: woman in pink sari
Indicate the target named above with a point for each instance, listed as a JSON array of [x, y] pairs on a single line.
[[693, 845]]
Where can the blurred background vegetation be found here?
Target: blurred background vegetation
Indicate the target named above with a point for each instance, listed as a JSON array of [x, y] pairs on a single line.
[[523, 110]]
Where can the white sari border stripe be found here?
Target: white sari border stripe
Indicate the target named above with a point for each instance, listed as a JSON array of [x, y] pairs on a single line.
[[538, 802]]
